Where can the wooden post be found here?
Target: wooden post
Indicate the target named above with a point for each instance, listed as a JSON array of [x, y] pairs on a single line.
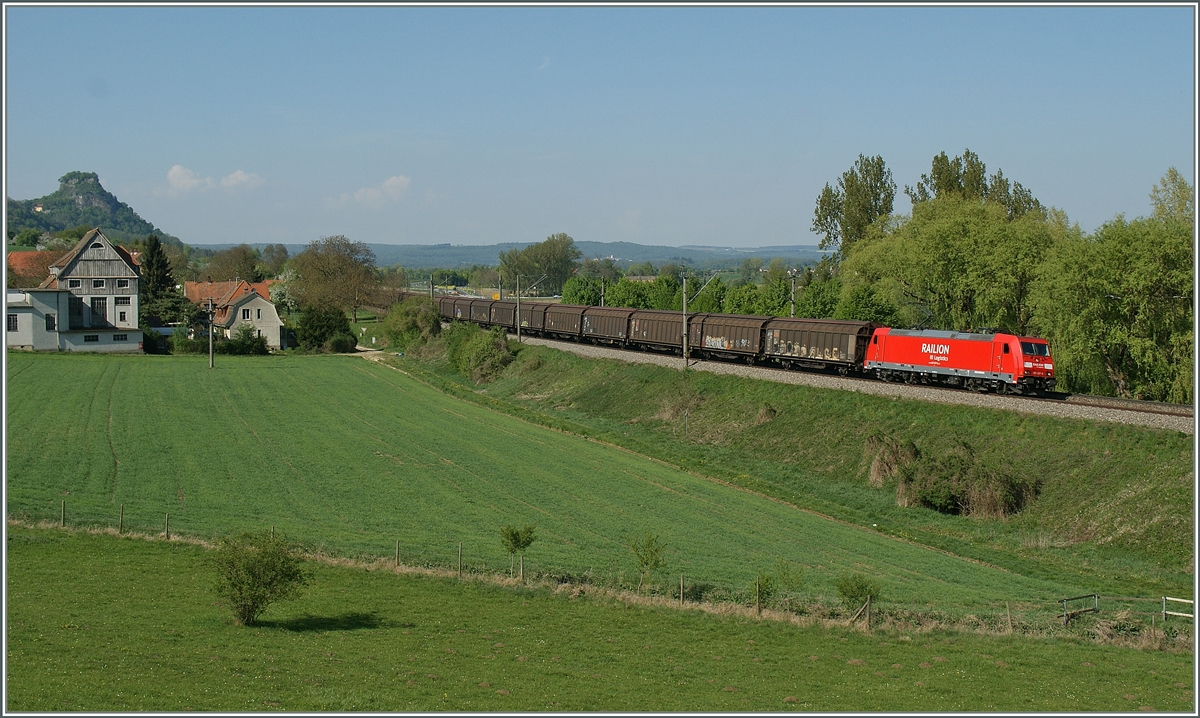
[[868, 612], [121, 519], [1152, 617], [757, 599], [1008, 615], [397, 553], [521, 576], [681, 590], [167, 527], [62, 521], [460, 559]]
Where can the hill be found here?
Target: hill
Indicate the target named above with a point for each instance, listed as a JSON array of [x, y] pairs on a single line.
[[79, 200], [459, 256]]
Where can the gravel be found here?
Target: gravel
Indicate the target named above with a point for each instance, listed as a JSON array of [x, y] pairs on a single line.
[[1024, 405]]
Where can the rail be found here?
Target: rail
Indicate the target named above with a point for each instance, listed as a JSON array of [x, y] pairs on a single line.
[[1068, 615], [1166, 613]]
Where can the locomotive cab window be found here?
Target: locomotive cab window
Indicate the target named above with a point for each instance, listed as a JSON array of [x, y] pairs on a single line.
[[874, 340], [1034, 349], [1005, 348]]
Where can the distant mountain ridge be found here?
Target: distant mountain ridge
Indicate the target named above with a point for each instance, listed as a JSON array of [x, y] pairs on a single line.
[[449, 256], [79, 200]]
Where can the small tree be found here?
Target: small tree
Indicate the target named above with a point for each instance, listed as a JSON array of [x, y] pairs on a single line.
[[255, 570], [649, 552], [856, 588], [320, 324], [516, 541]]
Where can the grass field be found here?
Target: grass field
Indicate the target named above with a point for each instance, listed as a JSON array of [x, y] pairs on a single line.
[[350, 457], [101, 623]]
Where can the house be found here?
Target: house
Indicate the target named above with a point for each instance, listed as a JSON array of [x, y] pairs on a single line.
[[89, 302], [29, 269], [237, 303]]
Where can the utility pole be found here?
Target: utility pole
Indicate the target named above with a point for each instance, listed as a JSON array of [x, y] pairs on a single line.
[[792, 274], [685, 326], [518, 309], [602, 291], [210, 333], [431, 287]]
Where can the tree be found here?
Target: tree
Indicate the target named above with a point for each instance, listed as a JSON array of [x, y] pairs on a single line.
[[645, 269], [516, 541], [648, 551], [1173, 199], [334, 270], [864, 193], [748, 269], [240, 262], [582, 290], [605, 269], [557, 258], [27, 238], [626, 293], [855, 589], [322, 324], [156, 281], [966, 178], [255, 570], [412, 322], [272, 259]]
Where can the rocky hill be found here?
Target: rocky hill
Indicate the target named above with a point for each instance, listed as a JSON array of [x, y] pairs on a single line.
[[80, 200]]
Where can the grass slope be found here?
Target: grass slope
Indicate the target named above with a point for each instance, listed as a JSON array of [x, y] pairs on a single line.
[[101, 623], [1115, 510], [351, 456]]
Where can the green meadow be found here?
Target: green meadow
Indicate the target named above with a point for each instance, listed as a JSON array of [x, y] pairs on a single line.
[[350, 457], [101, 623]]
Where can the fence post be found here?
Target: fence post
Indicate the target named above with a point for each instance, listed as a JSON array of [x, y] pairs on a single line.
[[397, 553], [121, 519], [521, 576], [1164, 605], [62, 522], [868, 613], [757, 598], [681, 590], [167, 527], [460, 559], [1064, 611], [1008, 615]]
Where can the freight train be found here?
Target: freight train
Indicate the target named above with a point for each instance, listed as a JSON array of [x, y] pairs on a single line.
[[981, 361]]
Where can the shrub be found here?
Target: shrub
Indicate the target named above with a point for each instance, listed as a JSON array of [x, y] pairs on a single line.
[[412, 322], [341, 343], [648, 551], [855, 588], [255, 570], [957, 482], [515, 541], [319, 324], [244, 342], [475, 353]]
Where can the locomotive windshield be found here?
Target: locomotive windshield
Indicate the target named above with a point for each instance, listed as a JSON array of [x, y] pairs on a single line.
[[1035, 349]]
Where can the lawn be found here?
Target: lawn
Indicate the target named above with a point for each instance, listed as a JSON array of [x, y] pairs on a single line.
[[351, 457], [100, 623]]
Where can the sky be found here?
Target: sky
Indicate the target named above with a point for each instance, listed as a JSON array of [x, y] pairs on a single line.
[[676, 126]]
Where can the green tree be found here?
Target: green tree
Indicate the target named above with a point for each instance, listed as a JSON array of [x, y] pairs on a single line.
[[856, 588], [273, 257], [412, 322], [864, 304], [748, 269], [605, 269], [625, 293], [556, 258], [255, 570], [710, 298], [645, 269], [582, 290], [966, 178], [240, 262], [864, 193], [742, 299], [334, 270], [517, 541], [665, 292], [156, 282], [650, 554], [27, 238], [1173, 199], [321, 324]]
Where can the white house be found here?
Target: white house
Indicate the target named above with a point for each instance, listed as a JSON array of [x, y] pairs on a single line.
[[88, 303], [238, 303]]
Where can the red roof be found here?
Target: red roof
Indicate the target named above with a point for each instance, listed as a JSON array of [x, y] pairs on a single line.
[[223, 294], [32, 264]]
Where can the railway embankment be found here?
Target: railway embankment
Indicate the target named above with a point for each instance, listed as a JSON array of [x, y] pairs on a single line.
[[1099, 497]]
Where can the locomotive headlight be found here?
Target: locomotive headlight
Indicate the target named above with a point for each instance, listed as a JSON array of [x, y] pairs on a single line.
[[1028, 364], [1049, 366]]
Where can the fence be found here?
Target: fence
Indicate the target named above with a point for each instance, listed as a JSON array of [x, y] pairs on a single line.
[[1166, 613], [1068, 615]]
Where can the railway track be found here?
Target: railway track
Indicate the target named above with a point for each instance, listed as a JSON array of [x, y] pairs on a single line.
[[1122, 411]]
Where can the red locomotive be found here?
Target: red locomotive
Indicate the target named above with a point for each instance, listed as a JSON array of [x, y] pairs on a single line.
[[970, 360]]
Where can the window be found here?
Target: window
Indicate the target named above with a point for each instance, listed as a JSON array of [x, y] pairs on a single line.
[[1035, 349], [74, 283], [245, 314], [1005, 348], [91, 337], [121, 301], [120, 337], [258, 314], [12, 322], [122, 284], [120, 316], [99, 310], [97, 284], [96, 245], [50, 322]]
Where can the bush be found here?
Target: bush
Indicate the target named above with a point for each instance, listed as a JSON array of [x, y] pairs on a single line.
[[412, 322], [475, 353], [255, 570], [321, 323], [178, 343], [341, 343], [245, 342], [957, 482], [855, 588]]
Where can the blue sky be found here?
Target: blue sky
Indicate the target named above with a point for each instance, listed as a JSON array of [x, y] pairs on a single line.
[[711, 126]]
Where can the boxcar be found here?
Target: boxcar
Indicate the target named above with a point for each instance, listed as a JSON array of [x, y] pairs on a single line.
[[481, 311], [656, 329], [817, 343], [730, 336], [966, 359], [564, 320], [533, 316], [607, 325], [503, 313]]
